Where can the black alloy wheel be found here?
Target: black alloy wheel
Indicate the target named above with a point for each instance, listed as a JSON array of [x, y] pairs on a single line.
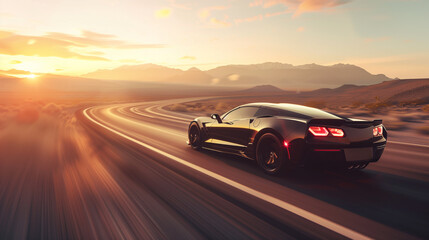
[[194, 137], [270, 154]]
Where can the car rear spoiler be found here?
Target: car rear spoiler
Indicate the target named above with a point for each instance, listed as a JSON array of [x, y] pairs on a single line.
[[344, 122]]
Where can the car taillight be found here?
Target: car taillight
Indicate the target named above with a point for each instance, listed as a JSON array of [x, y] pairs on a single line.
[[319, 131], [336, 132], [377, 131], [323, 131]]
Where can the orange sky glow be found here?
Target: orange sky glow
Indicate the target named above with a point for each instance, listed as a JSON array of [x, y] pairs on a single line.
[[77, 37]]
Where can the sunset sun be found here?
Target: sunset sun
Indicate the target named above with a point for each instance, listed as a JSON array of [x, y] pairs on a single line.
[[31, 76]]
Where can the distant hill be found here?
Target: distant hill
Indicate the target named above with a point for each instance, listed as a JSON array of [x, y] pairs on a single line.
[[262, 89], [79, 86], [142, 72], [391, 91], [395, 91], [192, 76], [310, 76], [287, 76], [419, 95]]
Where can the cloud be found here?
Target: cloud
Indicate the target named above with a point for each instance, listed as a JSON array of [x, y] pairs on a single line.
[[15, 72], [300, 6], [215, 81], [206, 12], [130, 61], [163, 13], [188, 58], [249, 19], [174, 4], [94, 35], [89, 38], [273, 14], [219, 23], [233, 77], [14, 44], [267, 3], [15, 62], [317, 5], [63, 45]]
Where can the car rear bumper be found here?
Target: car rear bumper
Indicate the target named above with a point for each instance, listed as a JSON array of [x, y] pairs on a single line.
[[344, 155]]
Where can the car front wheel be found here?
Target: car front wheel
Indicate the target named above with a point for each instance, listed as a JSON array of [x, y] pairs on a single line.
[[194, 136]]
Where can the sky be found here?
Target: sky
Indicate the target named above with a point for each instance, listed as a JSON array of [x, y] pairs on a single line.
[[76, 37]]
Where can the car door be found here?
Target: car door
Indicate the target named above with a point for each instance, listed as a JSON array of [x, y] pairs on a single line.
[[233, 132]]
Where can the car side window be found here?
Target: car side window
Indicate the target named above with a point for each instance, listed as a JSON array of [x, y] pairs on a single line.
[[293, 114], [266, 112], [240, 113], [274, 112]]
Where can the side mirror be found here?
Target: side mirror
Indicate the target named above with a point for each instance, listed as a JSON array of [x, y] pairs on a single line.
[[217, 117]]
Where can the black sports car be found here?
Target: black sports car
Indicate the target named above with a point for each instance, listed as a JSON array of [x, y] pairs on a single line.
[[279, 136]]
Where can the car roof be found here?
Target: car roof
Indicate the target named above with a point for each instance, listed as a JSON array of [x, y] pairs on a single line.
[[309, 112], [282, 106]]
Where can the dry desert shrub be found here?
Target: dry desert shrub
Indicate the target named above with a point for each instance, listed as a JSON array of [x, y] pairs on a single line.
[[196, 107], [27, 115], [411, 117], [395, 125], [377, 106], [222, 107], [199, 107], [51, 108], [178, 108], [423, 130], [357, 104]]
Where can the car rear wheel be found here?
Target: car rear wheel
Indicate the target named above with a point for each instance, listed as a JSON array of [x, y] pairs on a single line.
[[270, 154], [194, 136]]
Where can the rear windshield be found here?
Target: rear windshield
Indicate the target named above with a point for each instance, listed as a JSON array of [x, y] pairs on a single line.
[[296, 111]]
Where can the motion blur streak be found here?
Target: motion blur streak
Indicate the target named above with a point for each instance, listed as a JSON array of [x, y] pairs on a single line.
[[57, 188], [65, 176], [289, 207], [410, 144]]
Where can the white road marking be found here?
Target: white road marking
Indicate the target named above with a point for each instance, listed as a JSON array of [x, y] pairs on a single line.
[[275, 201], [409, 144], [138, 112], [157, 116], [109, 111], [149, 109]]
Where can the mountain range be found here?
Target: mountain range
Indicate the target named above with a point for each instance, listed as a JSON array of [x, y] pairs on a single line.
[[399, 91], [287, 76], [393, 91]]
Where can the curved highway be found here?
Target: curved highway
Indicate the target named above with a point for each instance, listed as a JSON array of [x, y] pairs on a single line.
[[190, 194]]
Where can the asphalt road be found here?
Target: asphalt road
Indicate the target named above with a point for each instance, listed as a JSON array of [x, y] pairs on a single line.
[[150, 185]]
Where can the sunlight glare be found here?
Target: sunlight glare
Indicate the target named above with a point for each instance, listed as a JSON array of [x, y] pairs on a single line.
[[31, 76]]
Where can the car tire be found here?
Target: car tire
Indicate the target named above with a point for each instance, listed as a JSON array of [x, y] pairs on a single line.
[[270, 154], [194, 136]]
